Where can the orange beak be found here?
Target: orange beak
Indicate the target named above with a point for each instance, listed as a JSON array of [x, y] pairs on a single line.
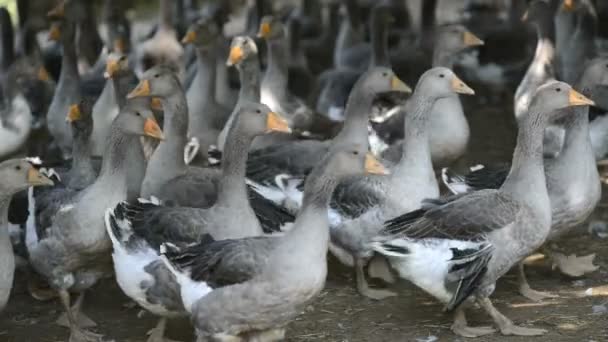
[[236, 55], [74, 113], [264, 30], [156, 104], [111, 68], [142, 89], [55, 32], [373, 166], [43, 75], [34, 177], [189, 38], [152, 129], [276, 123], [577, 99]]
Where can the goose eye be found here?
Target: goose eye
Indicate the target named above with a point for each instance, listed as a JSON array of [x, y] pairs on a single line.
[[156, 76], [122, 58], [138, 113], [18, 167], [558, 89], [258, 111], [441, 75], [385, 74], [356, 153]]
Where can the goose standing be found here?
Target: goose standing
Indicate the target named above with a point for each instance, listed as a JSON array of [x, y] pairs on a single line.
[[73, 253], [456, 249], [366, 203], [251, 288], [138, 229], [572, 180]]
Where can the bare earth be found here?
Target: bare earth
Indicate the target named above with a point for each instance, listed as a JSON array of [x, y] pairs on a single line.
[[340, 314]]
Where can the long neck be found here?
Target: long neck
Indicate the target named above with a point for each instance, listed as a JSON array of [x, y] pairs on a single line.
[[527, 170], [310, 234], [165, 15], [545, 47], [416, 153], [69, 61], [205, 87], [176, 129], [122, 84], [277, 63], [114, 165], [577, 143], [379, 42], [232, 187], [249, 74], [81, 154], [357, 111]]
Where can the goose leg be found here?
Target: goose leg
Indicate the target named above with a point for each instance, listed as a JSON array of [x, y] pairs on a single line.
[[506, 326], [82, 320], [460, 326], [525, 289], [363, 286], [77, 333], [39, 290], [573, 265], [157, 334], [379, 268]]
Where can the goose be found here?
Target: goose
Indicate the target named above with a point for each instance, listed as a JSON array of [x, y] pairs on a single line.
[[264, 165], [274, 89], [138, 229], [73, 252], [334, 86], [575, 32], [17, 175], [572, 198], [448, 128], [167, 176], [206, 116], [251, 288], [68, 89], [457, 248], [244, 56], [364, 203]]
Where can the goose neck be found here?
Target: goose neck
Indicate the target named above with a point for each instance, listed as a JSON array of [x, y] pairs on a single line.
[[357, 112], [277, 63], [232, 186], [379, 40], [527, 170], [249, 74]]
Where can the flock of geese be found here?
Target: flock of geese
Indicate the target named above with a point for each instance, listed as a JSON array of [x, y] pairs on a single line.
[[211, 176]]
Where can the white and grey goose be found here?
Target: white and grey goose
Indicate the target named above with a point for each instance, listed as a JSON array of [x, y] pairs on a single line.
[[138, 229], [266, 165], [74, 252], [15, 175], [456, 249], [572, 178], [251, 288], [366, 201]]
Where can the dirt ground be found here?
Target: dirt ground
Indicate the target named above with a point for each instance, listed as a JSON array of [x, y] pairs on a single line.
[[340, 314]]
